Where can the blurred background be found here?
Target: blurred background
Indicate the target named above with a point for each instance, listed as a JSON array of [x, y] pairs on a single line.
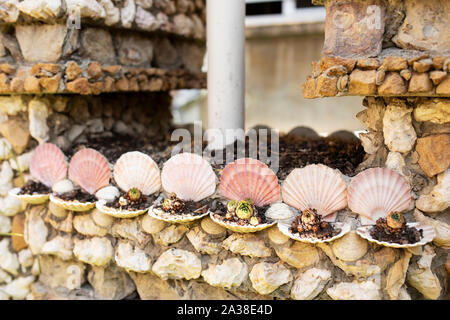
[[282, 39]]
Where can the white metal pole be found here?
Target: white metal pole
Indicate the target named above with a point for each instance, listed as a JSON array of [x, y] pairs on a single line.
[[226, 66]]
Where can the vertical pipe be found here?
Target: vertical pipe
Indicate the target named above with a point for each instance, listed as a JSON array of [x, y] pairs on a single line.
[[226, 66]]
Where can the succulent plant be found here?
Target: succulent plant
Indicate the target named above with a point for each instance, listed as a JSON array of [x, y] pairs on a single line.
[[244, 210], [134, 194], [395, 220]]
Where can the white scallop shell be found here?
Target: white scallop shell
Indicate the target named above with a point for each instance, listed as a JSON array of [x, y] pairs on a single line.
[[376, 192], [63, 186], [73, 205], [315, 186], [29, 198], [160, 214], [137, 170], [280, 211], [428, 236], [234, 226], [109, 193], [285, 225], [189, 176], [118, 213]]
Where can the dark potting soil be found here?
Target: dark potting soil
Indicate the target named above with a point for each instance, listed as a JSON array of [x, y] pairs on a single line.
[[221, 211], [143, 203], [408, 235], [319, 230], [196, 208], [34, 187], [77, 194]]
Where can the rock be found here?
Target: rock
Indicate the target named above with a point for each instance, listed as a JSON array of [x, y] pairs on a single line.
[[399, 134], [350, 247], [372, 117], [12, 105], [212, 228], [60, 246], [433, 110], [424, 27], [25, 258], [441, 228], [362, 82], [299, 255], [85, 225], [55, 272], [94, 70], [130, 229], [327, 86], [73, 70], [18, 227], [276, 236], [19, 288], [231, 273], [395, 162], [94, 251], [444, 87], [267, 277], [310, 283], [35, 229], [172, 234], [17, 134], [5, 149], [420, 83], [393, 84], [309, 88], [422, 65], [112, 13], [6, 177], [5, 277], [57, 211], [152, 225], [134, 50], [434, 153], [146, 20], [202, 242], [5, 224], [101, 219], [406, 74], [247, 245], [38, 113], [437, 76], [110, 283], [396, 276], [165, 55], [9, 261], [86, 9], [41, 9], [371, 141], [392, 63], [63, 186], [9, 11], [23, 162], [177, 264], [368, 63], [379, 77], [41, 43], [132, 259], [127, 13], [98, 45], [422, 278], [11, 206], [366, 290]]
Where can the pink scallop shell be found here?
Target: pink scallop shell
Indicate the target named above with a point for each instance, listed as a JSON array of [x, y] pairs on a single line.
[[137, 170], [89, 169], [249, 178], [189, 176], [48, 164], [376, 192], [315, 186]]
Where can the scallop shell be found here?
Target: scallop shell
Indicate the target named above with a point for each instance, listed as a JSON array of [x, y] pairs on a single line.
[[276, 236], [233, 226], [189, 176], [285, 225], [73, 205], [174, 218], [316, 186], [428, 236], [280, 211], [48, 164], [137, 170], [249, 178], [376, 192], [117, 213], [89, 169], [350, 248], [29, 198], [211, 227]]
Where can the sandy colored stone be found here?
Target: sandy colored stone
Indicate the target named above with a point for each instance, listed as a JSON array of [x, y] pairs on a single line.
[[152, 225], [203, 242], [97, 44], [393, 84], [4, 83], [434, 153], [55, 272], [38, 112], [31, 84], [399, 134], [434, 110], [212, 228], [420, 83], [437, 76], [45, 69], [379, 77], [276, 236], [112, 69], [51, 84], [327, 86], [130, 229], [9, 261], [329, 61], [60, 246], [309, 88], [422, 65], [441, 228], [7, 68], [267, 277], [406, 74], [35, 229], [172, 234], [392, 63], [17, 85], [80, 86], [94, 70], [368, 63], [84, 224], [310, 283], [18, 227], [230, 273], [177, 264], [110, 282], [299, 255], [247, 245], [94, 251], [16, 132], [444, 87], [122, 84], [73, 70], [362, 82], [396, 276], [366, 290]]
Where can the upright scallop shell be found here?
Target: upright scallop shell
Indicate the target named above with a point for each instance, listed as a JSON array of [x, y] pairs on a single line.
[[89, 169], [189, 176], [376, 192], [48, 164], [315, 186], [250, 178], [137, 170]]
